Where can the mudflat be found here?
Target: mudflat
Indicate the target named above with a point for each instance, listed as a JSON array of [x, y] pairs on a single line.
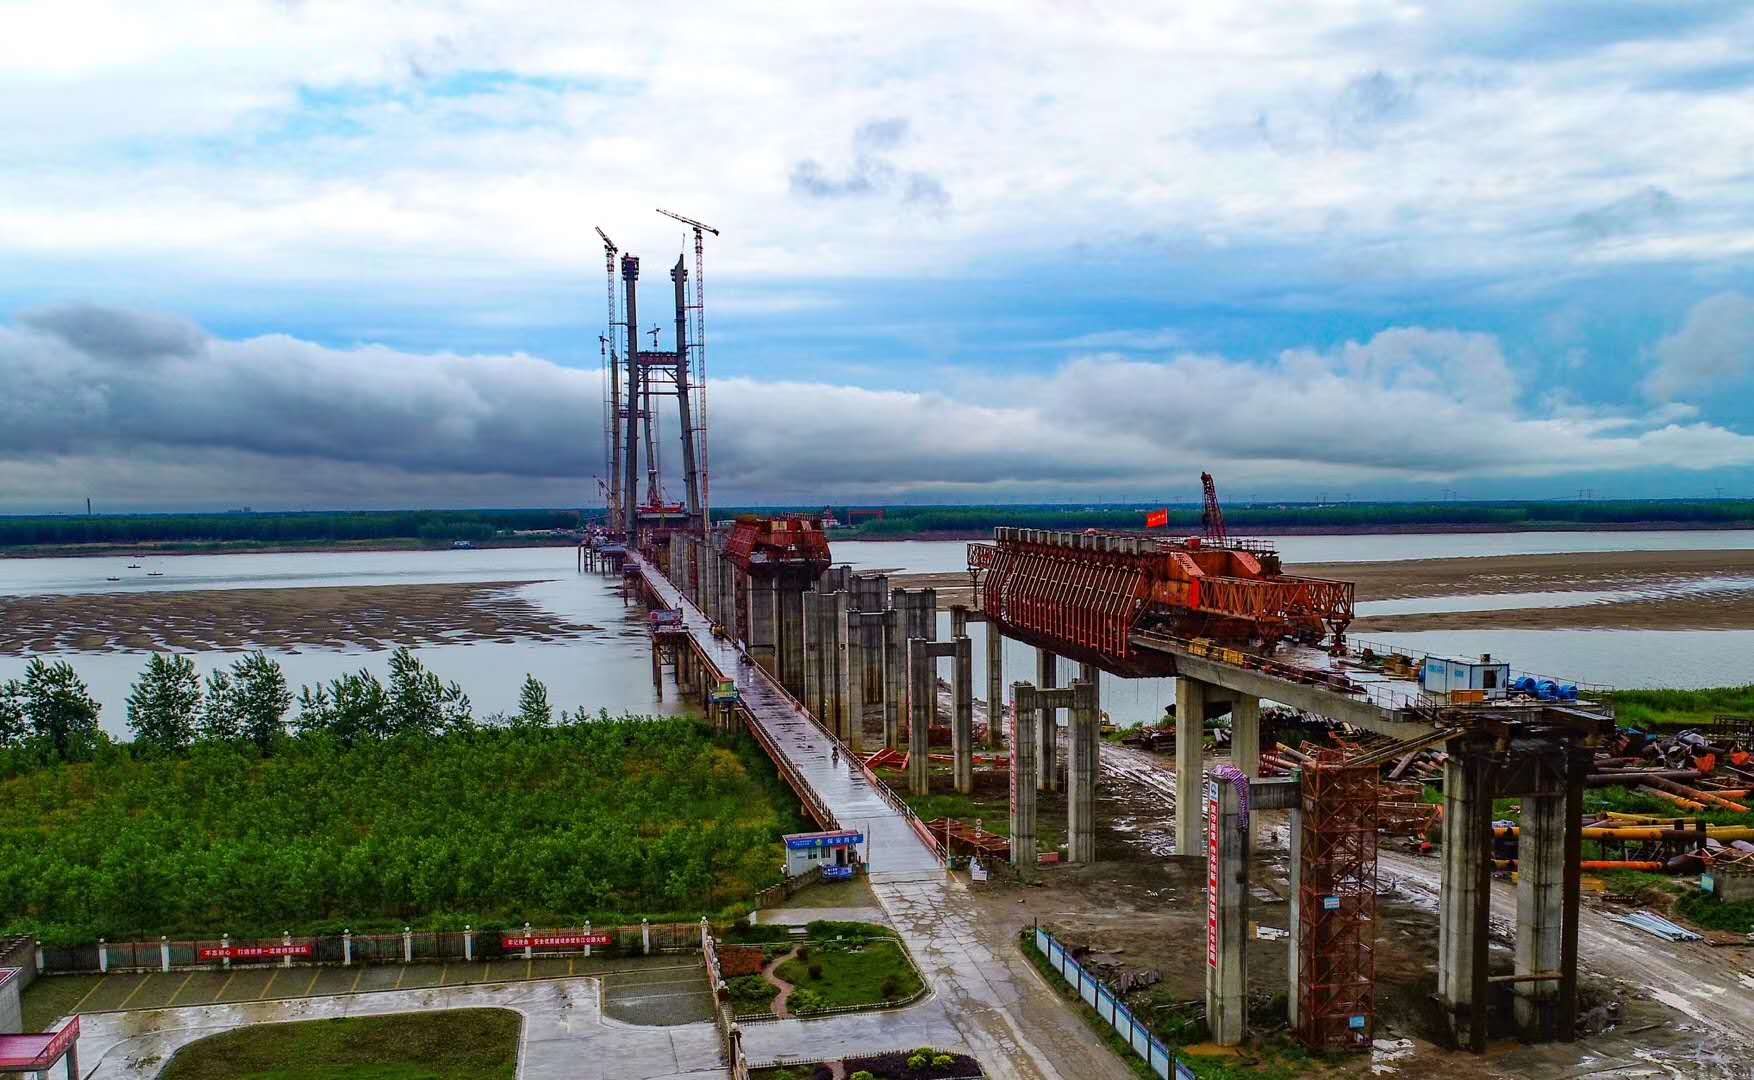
[[336, 616], [1677, 590]]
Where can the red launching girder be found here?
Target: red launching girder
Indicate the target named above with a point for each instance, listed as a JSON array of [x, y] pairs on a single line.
[[1082, 598], [1084, 595]]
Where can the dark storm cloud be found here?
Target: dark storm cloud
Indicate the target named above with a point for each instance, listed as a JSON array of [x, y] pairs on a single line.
[[115, 333], [122, 405]]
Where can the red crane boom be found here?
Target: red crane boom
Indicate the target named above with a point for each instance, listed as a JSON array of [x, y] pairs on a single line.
[[1213, 519]]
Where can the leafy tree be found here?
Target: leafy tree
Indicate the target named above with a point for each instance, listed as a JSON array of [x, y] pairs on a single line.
[[316, 713], [219, 708], [60, 707], [419, 702], [533, 707], [361, 709], [262, 698], [13, 723], [164, 703]]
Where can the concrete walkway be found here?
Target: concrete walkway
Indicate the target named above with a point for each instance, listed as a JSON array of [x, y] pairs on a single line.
[[565, 1035], [987, 1000], [894, 846]]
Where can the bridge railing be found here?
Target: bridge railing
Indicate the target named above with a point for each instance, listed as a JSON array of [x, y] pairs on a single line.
[[813, 802]]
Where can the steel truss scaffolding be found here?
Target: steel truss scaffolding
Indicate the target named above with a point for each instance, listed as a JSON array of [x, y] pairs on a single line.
[[1336, 959]]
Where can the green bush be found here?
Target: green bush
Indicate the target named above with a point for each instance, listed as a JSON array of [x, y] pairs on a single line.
[[862, 1074]]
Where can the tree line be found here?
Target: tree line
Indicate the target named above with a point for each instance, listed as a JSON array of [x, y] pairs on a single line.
[[1509, 515], [278, 527], [50, 715]]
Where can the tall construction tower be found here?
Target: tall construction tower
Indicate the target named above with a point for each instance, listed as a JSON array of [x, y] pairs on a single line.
[[649, 375], [611, 396]]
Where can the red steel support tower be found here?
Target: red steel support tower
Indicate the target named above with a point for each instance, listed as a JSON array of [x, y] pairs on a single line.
[[1336, 903]]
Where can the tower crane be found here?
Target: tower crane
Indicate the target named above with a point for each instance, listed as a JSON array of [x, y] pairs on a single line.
[[699, 344], [612, 380]]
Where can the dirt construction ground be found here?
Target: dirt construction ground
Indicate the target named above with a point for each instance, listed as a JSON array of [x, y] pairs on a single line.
[[1137, 910]]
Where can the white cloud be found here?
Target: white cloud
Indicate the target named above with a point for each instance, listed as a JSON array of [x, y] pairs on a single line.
[[1713, 351], [323, 140]]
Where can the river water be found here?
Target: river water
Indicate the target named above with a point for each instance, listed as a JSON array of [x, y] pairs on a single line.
[[609, 667]]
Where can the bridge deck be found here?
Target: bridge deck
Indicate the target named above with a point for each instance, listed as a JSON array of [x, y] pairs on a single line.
[[894, 846]]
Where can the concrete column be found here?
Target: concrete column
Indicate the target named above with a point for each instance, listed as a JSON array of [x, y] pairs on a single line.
[[1227, 964], [789, 608], [1081, 775], [1245, 734], [837, 672], [814, 631], [1047, 676], [895, 668], [1540, 865], [962, 718], [1190, 715], [958, 620], [707, 569], [1464, 896], [762, 639], [922, 672], [995, 686], [1025, 715], [1295, 908]]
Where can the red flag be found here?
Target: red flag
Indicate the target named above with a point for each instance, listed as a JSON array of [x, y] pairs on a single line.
[[1157, 519]]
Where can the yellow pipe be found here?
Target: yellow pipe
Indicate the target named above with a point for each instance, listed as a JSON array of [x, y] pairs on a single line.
[[1638, 832]]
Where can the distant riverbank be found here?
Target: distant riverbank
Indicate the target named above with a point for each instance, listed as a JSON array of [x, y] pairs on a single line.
[[265, 547]]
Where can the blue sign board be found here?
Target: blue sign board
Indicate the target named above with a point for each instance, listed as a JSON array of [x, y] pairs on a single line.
[[837, 873], [843, 838]]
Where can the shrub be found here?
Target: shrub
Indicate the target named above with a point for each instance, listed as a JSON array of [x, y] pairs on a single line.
[[891, 988], [863, 1074], [816, 971], [943, 1061], [805, 1000]]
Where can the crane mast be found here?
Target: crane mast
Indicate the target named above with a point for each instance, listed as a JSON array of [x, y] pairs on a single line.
[[698, 349], [612, 388]]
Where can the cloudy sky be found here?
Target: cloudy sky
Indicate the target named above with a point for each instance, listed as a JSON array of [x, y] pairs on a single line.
[[304, 254]]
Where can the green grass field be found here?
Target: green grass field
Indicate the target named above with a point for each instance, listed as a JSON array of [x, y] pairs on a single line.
[[863, 973], [1681, 708], [457, 1044]]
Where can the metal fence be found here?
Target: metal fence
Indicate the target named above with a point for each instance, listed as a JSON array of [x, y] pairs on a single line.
[[362, 949], [1115, 1014]]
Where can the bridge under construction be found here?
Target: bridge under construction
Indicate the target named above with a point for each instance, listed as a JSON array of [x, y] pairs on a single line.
[[813, 651]]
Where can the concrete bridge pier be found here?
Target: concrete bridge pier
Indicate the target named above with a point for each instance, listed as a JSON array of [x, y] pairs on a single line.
[[1464, 899], [762, 634], [916, 616], [995, 687], [1047, 677], [1190, 715], [815, 633], [962, 713], [1083, 752], [835, 659], [1227, 943], [922, 663], [1025, 716], [894, 678], [922, 710], [789, 617]]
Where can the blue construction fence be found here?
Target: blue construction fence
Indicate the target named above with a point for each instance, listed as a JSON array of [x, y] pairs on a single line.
[[1113, 1012]]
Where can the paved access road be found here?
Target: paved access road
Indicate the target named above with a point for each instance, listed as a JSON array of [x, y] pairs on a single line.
[[986, 998]]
